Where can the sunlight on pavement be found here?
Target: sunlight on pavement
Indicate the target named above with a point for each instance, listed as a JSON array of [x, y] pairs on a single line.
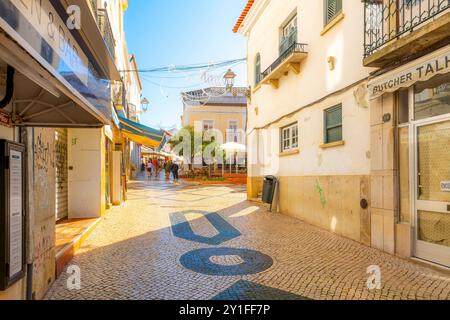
[[245, 212]]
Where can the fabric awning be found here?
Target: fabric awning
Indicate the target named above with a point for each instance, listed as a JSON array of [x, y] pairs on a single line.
[[141, 134], [422, 69]]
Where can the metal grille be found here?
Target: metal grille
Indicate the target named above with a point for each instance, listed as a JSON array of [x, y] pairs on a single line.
[[389, 19], [62, 194]]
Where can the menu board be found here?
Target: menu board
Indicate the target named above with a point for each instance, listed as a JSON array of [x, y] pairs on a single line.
[[15, 214], [12, 209]]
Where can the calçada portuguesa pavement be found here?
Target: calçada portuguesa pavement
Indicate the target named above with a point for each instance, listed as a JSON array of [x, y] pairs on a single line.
[[207, 242]]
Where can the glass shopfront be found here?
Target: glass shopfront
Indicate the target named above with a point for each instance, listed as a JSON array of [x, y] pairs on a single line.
[[432, 169]]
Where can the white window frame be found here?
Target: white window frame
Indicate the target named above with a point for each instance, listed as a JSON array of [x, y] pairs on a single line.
[[232, 132], [289, 137]]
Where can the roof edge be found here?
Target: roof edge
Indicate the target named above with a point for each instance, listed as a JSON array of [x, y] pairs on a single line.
[[243, 15]]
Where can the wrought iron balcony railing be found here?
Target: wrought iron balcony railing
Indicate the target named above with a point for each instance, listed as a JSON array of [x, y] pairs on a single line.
[[386, 20], [294, 48], [106, 30], [94, 8]]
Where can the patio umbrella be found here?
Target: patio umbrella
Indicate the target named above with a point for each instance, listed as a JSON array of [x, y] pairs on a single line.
[[233, 147]]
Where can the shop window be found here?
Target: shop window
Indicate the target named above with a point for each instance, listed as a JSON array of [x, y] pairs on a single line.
[[432, 98], [332, 9], [289, 138], [333, 124]]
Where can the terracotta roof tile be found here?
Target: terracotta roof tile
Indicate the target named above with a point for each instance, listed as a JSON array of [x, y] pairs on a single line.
[[243, 15]]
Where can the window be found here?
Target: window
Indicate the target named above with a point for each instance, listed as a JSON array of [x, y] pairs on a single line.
[[331, 9], [290, 27], [432, 98], [289, 138], [288, 35], [208, 125], [258, 76], [232, 131], [333, 124]]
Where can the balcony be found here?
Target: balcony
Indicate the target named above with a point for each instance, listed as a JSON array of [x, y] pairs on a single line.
[[289, 60], [94, 7], [288, 41], [105, 28], [396, 29]]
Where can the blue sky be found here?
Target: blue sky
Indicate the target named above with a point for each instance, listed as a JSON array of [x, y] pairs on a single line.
[[180, 32]]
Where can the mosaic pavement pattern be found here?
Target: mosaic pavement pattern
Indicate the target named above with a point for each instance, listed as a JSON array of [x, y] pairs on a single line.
[[136, 253]]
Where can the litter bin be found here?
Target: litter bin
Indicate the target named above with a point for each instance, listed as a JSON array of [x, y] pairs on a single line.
[[270, 183]]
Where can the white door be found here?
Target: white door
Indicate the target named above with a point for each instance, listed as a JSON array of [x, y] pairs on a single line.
[[433, 191]]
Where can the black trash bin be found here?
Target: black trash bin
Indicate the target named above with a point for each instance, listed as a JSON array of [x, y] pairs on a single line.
[[270, 183]]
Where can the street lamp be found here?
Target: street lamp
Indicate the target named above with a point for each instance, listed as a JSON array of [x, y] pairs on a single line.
[[145, 104], [229, 79]]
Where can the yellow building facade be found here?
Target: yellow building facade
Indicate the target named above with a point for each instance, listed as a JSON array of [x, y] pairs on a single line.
[[218, 109]]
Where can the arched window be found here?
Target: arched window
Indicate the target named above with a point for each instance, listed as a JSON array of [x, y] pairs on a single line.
[[258, 76]]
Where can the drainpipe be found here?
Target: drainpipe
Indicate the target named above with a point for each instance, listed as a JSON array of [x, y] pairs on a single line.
[[9, 87], [26, 136], [29, 139]]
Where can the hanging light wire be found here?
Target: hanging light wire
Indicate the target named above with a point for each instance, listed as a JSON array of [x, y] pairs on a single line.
[[192, 67]]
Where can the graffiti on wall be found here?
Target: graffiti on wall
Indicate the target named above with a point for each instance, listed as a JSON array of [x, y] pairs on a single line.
[[44, 155]]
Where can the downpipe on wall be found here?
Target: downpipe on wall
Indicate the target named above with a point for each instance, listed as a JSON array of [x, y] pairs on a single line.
[[9, 87], [28, 138]]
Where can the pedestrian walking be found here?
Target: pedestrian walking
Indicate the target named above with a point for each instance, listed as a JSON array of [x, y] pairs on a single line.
[[168, 168], [149, 169], [175, 169]]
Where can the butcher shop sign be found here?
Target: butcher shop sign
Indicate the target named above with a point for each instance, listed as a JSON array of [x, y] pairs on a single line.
[[422, 69]]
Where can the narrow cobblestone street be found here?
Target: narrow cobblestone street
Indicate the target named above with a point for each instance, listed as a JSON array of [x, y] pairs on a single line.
[[193, 242]]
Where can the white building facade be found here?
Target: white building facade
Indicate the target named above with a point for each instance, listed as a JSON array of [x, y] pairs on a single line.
[[308, 114]]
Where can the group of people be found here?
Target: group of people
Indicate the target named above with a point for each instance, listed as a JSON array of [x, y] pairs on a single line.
[[154, 167]]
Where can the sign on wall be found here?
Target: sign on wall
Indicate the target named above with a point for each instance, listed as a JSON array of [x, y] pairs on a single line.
[[445, 186], [5, 119], [12, 217], [39, 27], [421, 69]]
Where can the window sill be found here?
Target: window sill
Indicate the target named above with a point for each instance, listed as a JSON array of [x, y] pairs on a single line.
[[332, 23], [256, 88], [289, 153], [333, 144]]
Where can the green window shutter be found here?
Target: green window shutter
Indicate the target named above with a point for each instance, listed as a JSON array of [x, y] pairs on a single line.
[[258, 70], [332, 9], [333, 124]]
